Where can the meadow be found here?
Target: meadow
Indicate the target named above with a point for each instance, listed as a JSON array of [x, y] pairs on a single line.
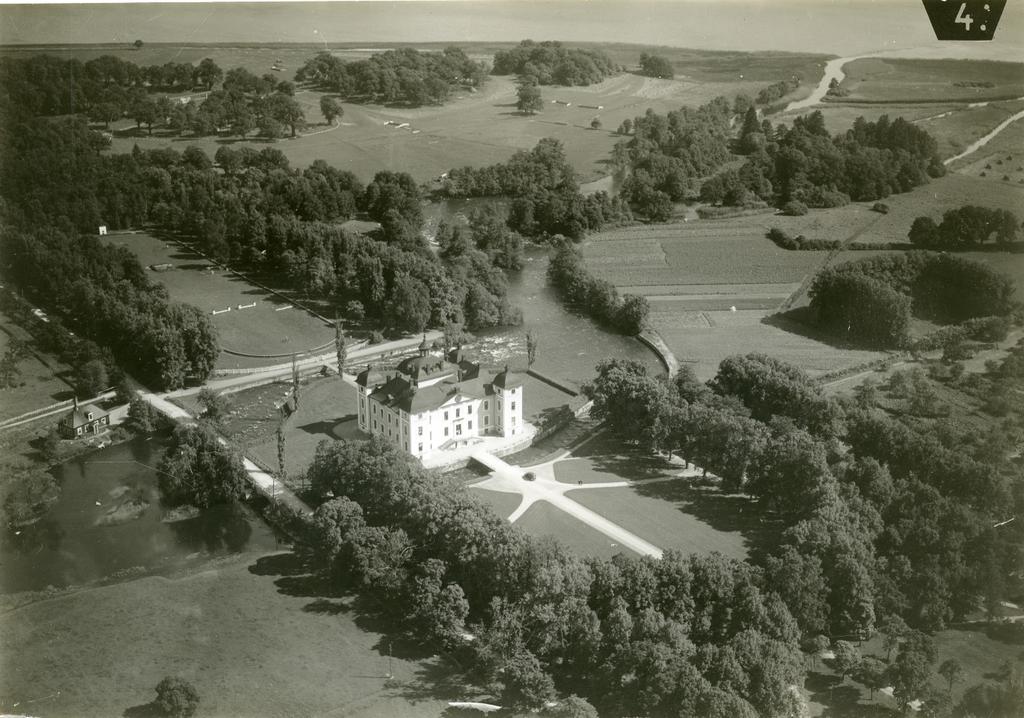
[[263, 331], [38, 384], [474, 128], [957, 129], [904, 80], [254, 634]]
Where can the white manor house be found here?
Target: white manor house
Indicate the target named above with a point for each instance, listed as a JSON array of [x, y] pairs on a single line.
[[436, 408]]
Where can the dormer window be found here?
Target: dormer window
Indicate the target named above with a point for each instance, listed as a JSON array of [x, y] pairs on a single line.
[[89, 416]]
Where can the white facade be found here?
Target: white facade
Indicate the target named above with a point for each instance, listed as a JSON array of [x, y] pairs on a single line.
[[425, 412]]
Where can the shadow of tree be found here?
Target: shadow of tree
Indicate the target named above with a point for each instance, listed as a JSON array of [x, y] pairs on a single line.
[[286, 563], [326, 608], [144, 710]]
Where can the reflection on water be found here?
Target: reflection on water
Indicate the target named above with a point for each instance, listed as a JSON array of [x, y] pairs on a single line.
[[108, 521], [570, 345]]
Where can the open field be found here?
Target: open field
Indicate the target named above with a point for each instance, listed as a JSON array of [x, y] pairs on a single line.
[[1000, 162], [903, 80], [956, 131], [954, 190], [474, 128], [254, 635], [259, 330], [725, 333], [38, 384], [703, 252]]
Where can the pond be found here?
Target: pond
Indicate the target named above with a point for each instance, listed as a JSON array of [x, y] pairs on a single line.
[[109, 524], [569, 344]]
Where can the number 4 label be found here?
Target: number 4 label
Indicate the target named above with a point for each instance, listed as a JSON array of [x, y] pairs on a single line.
[[964, 19]]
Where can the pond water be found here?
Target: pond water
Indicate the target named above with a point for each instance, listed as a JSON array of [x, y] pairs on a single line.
[[569, 344], [108, 524]]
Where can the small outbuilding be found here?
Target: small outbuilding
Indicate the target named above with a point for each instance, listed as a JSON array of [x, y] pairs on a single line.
[[82, 421]]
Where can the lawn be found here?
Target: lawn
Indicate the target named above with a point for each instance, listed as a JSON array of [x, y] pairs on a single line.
[[544, 520], [258, 330], [726, 333], [327, 410], [39, 385], [904, 80], [254, 635]]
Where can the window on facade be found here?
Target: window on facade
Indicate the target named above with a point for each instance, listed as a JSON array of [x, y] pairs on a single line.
[[458, 413], [513, 421], [420, 448], [470, 426], [513, 406], [486, 405], [487, 420], [458, 429], [469, 409], [446, 431], [446, 416], [420, 431], [499, 404]]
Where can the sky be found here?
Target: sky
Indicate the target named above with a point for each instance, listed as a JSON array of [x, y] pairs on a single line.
[[840, 27]]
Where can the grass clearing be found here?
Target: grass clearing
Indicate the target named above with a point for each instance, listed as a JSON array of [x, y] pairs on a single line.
[[939, 195], [744, 331], [253, 634], [958, 129], [914, 80], [544, 520], [38, 384], [258, 330]]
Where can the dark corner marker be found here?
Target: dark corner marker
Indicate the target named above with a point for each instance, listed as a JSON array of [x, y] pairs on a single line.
[[964, 19]]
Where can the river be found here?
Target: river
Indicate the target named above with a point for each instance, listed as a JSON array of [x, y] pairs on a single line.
[[570, 344], [72, 545]]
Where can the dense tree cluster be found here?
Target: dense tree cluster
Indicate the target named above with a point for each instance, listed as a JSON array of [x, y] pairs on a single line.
[[668, 153], [199, 470], [404, 75], [102, 292], [255, 210], [893, 523], [777, 90], [966, 227], [872, 300], [656, 66], [699, 634], [803, 164], [244, 103], [567, 272], [105, 88], [546, 196], [552, 64]]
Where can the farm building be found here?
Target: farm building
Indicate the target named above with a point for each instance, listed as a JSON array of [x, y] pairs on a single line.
[[432, 404], [84, 420]]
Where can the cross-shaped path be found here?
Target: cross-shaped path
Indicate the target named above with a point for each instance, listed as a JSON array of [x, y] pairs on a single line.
[[543, 486]]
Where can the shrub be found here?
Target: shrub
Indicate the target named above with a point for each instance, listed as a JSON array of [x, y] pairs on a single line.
[[880, 207], [794, 208], [376, 337], [176, 697]]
